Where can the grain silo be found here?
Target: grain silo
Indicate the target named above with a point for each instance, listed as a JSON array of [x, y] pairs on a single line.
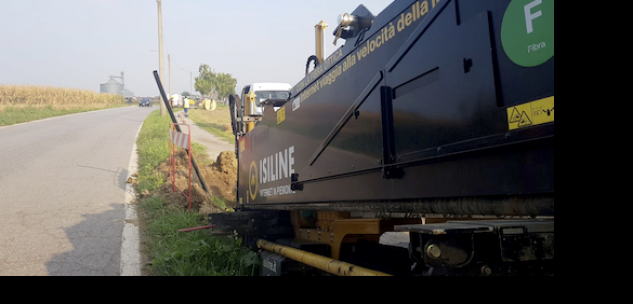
[[111, 87], [114, 87]]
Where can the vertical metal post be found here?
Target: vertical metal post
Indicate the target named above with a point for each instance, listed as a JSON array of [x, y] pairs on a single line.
[[190, 156], [169, 65], [249, 110], [320, 40], [161, 65], [172, 159]]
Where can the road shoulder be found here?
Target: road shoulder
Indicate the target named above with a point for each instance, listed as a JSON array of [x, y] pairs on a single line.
[[131, 258]]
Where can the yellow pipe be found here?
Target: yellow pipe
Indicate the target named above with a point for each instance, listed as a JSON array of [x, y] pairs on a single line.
[[320, 40], [320, 262]]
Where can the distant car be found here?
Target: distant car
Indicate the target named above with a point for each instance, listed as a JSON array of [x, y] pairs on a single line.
[[145, 102]]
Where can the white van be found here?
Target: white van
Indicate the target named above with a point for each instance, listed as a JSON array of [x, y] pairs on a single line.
[[264, 91]]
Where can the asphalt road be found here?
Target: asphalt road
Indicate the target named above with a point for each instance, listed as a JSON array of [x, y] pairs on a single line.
[[62, 193]]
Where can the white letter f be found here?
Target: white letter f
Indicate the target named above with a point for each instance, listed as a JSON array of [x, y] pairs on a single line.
[[529, 16]]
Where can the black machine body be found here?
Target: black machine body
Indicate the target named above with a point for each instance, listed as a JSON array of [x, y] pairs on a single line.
[[432, 108]]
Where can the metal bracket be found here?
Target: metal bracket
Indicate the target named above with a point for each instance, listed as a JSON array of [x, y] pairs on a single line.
[[249, 119]]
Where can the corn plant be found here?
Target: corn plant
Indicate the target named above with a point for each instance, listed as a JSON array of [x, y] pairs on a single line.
[[22, 96]]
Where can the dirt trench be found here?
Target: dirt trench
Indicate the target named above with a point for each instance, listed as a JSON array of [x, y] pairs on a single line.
[[220, 177]]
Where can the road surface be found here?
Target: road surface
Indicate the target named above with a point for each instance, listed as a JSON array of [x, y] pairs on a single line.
[[63, 192]]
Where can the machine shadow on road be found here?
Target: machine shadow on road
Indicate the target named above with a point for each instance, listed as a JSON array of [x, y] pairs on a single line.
[[97, 246], [120, 175]]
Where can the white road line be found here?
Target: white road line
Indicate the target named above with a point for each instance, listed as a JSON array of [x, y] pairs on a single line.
[[131, 244]]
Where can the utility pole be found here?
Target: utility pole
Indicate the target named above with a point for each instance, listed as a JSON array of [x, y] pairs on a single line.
[[191, 82], [161, 65], [169, 64]]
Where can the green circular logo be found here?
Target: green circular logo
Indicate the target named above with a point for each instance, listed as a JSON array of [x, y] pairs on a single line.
[[527, 32]]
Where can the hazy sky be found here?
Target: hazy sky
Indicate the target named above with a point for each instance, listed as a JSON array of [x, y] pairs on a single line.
[[79, 43]]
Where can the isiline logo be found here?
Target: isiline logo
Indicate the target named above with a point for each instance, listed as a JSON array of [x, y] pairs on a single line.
[[253, 183]]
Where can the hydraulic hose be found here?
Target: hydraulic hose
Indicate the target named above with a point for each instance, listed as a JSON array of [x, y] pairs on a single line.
[[316, 63]]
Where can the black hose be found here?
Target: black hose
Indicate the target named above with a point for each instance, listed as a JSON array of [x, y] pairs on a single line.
[[316, 63], [234, 102]]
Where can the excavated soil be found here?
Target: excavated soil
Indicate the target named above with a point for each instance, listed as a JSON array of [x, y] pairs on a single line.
[[220, 177]]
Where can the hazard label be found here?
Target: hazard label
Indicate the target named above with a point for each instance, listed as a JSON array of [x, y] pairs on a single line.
[[531, 114], [242, 145], [281, 115]]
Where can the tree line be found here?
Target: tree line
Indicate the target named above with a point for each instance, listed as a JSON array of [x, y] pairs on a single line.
[[208, 82]]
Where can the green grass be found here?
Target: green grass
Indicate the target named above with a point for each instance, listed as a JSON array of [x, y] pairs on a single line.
[[214, 122], [193, 253], [174, 253], [153, 149], [15, 115]]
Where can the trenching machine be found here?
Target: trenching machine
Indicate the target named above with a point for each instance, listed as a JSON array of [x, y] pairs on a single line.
[[433, 124]]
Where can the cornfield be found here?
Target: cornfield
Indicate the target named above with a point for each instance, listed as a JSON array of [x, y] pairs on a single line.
[[21, 96]]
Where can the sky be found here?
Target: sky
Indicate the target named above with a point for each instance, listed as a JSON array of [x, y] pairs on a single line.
[[80, 43]]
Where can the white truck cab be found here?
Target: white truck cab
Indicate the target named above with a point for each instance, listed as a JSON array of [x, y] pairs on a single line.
[[264, 91]]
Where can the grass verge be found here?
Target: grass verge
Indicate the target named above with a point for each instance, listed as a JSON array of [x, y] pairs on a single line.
[[173, 253], [193, 253], [153, 149], [15, 115], [214, 122]]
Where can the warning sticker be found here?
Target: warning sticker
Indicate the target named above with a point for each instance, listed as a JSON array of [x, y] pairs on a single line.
[[281, 115], [296, 104], [531, 114], [242, 145]]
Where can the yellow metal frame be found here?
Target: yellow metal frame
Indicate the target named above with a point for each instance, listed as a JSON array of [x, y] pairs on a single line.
[[351, 230], [335, 228], [248, 105]]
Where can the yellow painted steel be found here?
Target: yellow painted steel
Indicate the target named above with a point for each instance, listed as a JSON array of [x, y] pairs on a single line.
[[249, 105], [320, 262], [334, 231], [320, 40]]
